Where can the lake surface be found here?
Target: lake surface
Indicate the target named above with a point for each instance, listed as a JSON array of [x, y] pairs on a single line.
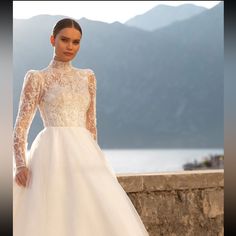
[[155, 160]]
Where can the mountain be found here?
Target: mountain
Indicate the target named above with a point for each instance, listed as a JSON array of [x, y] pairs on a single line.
[[164, 15], [159, 89]]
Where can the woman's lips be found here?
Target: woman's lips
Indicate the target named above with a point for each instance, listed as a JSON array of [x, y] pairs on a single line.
[[68, 53]]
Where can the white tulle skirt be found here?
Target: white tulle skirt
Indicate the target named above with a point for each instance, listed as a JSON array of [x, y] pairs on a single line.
[[72, 191]]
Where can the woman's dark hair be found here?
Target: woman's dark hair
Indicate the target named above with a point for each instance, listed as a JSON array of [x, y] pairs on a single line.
[[66, 23]]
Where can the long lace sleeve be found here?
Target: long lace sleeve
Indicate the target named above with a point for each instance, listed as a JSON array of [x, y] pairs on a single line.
[[26, 112], [91, 121]]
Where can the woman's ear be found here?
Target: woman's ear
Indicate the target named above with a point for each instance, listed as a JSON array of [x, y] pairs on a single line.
[[52, 40]]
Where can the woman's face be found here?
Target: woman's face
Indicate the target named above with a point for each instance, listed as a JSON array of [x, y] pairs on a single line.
[[66, 43]]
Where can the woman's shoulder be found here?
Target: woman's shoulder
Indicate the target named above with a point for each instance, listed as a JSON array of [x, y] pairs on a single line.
[[86, 72], [33, 78], [90, 71], [32, 74]]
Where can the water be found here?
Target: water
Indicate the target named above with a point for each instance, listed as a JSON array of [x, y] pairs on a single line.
[[155, 160]]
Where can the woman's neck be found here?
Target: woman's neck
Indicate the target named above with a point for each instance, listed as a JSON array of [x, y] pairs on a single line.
[[58, 64]]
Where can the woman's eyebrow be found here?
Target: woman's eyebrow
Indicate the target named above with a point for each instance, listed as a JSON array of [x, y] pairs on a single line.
[[68, 38]]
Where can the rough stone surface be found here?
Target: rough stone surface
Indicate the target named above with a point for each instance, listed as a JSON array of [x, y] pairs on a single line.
[[178, 203]]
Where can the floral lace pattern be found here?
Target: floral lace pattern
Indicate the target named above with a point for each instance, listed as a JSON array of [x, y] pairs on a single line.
[[65, 96]]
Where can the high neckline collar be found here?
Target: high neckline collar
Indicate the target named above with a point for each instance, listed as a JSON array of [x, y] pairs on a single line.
[[60, 64]]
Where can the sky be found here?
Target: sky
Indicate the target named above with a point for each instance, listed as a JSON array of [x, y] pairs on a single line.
[[105, 11]]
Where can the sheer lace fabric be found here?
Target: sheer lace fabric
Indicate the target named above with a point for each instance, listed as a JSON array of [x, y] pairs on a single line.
[[64, 95]]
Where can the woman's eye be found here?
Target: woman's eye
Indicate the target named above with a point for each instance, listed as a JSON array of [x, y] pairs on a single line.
[[76, 42]]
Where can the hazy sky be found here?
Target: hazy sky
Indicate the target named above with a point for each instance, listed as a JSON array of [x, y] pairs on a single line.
[[106, 11]]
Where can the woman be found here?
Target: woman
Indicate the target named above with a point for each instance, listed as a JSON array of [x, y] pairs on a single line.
[[65, 186]]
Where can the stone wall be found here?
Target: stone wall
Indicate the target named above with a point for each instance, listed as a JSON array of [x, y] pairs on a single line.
[[178, 203]]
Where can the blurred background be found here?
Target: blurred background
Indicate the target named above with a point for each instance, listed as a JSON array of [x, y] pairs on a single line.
[[160, 77]]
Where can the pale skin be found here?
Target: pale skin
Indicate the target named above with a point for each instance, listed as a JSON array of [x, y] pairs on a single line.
[[66, 41]]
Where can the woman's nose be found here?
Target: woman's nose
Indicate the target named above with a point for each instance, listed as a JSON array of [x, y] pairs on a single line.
[[69, 45]]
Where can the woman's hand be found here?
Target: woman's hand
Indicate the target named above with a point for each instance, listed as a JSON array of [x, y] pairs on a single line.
[[22, 176]]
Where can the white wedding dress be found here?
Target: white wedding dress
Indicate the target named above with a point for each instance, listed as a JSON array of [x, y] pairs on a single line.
[[72, 189]]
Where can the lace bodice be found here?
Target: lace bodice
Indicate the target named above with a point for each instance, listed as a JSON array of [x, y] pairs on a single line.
[[64, 95]]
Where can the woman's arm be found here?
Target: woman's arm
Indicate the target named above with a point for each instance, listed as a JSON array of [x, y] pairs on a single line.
[[91, 121], [27, 108]]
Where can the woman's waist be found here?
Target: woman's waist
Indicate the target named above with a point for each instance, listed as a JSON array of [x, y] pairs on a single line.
[[63, 130], [64, 127]]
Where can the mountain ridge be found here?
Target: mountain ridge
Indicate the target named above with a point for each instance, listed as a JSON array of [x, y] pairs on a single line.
[[160, 89]]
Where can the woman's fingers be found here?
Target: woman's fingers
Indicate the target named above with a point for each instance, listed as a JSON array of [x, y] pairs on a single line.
[[25, 177], [22, 177], [23, 180], [29, 178], [17, 181]]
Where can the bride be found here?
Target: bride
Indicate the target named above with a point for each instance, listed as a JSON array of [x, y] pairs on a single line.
[[65, 185]]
